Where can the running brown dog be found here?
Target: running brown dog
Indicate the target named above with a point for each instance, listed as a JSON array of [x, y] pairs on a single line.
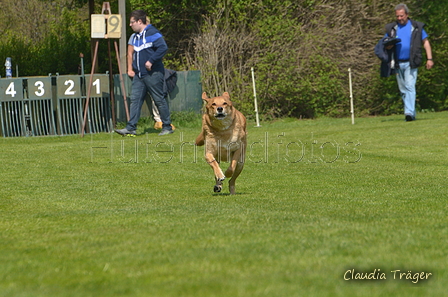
[[225, 137]]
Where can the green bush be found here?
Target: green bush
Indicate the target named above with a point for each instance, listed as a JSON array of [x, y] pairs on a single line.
[[186, 119]]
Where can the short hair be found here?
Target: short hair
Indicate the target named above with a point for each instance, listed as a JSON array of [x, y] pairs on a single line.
[[139, 15], [402, 6]]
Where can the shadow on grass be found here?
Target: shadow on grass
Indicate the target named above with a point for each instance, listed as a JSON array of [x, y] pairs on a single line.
[[150, 131], [228, 194], [403, 120]]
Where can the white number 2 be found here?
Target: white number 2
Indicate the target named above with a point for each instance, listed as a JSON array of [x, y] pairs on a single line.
[[69, 90]]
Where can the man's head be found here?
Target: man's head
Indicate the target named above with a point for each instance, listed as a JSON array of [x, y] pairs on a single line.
[[138, 20], [401, 13]]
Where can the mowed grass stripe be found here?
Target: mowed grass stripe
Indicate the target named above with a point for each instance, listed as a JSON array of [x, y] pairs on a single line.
[[316, 198]]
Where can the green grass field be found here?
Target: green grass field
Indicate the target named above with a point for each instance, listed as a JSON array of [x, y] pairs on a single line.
[[317, 200]]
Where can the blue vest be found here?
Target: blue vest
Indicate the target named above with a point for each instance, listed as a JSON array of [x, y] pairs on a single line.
[[413, 34]]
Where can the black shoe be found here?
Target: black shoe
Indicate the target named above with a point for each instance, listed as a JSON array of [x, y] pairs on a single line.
[[125, 132], [409, 118], [166, 132]]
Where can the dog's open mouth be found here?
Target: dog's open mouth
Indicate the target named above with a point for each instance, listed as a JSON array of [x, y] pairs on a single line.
[[220, 116]]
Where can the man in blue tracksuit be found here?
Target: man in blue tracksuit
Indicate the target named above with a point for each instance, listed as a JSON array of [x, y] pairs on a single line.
[[149, 49], [408, 56]]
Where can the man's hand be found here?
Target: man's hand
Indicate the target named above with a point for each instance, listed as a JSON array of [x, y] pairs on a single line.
[[429, 64], [131, 73], [148, 65]]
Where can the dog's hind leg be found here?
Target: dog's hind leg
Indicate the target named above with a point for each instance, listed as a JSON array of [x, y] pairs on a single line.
[[235, 167], [236, 173], [235, 158], [200, 139]]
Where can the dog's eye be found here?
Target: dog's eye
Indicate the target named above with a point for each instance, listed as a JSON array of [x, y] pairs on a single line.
[[225, 103], [213, 104]]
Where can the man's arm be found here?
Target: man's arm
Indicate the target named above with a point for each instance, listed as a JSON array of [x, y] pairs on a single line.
[[427, 47], [160, 50], [130, 71]]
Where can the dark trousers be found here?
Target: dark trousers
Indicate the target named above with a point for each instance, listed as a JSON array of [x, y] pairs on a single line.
[[154, 84]]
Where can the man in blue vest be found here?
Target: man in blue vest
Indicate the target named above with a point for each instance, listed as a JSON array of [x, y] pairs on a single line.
[[149, 50], [408, 55]]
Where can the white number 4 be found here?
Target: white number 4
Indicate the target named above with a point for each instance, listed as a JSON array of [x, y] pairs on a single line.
[[10, 90]]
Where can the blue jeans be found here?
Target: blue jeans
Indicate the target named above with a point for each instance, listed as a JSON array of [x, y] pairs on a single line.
[[406, 79], [152, 83]]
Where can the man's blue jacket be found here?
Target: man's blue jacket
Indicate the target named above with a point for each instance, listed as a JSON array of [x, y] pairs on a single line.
[[149, 45]]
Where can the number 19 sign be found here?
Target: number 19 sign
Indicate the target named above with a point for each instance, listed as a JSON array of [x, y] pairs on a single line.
[[106, 26]]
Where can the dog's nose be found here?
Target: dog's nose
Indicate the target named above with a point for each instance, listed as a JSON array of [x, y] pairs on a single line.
[[219, 109]]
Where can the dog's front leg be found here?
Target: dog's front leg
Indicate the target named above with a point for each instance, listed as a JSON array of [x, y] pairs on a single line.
[[211, 160], [219, 175]]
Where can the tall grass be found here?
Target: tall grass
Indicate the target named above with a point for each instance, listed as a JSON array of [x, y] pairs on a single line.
[[110, 216]]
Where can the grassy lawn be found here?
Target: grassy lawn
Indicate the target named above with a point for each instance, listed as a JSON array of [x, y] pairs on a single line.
[[317, 200]]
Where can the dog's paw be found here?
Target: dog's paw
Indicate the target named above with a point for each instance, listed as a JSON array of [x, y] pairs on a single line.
[[217, 188], [220, 179]]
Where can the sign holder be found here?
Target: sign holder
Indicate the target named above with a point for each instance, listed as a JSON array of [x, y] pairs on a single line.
[[105, 25]]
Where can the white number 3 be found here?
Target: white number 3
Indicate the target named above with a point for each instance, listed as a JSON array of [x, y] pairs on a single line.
[[40, 88]]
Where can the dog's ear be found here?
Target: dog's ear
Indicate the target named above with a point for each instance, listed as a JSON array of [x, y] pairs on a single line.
[[226, 96], [205, 97]]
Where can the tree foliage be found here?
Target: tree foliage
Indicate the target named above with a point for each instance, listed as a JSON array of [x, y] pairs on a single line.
[[300, 50], [58, 31]]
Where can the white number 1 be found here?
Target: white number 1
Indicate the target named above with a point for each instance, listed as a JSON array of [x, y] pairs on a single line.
[[96, 83]]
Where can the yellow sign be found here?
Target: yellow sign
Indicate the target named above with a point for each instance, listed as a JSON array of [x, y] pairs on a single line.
[[105, 26], [114, 26], [98, 26]]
